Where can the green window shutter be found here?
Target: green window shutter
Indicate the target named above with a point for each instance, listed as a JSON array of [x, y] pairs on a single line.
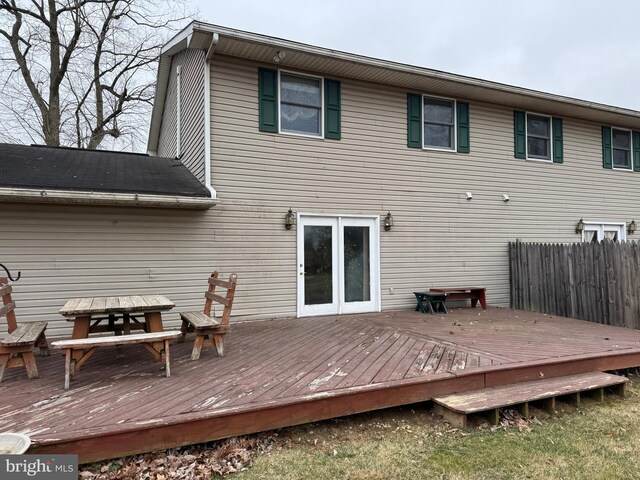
[[519, 134], [268, 100], [414, 120], [607, 151], [556, 127], [463, 127], [636, 151], [332, 109]]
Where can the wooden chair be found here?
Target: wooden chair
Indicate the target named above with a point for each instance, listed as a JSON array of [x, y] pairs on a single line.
[[16, 350], [203, 324]]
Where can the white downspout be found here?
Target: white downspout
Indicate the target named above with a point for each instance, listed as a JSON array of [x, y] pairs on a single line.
[[178, 113], [207, 116]]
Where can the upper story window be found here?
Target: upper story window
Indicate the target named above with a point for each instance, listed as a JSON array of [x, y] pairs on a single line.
[[437, 123], [620, 149], [300, 104], [621, 144], [538, 137]]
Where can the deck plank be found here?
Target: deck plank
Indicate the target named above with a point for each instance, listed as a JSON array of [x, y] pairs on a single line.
[[392, 365], [315, 369], [367, 376]]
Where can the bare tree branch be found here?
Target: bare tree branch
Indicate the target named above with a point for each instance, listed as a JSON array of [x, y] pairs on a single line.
[[87, 65]]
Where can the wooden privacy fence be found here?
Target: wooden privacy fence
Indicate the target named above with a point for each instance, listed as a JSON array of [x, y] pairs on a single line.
[[599, 282]]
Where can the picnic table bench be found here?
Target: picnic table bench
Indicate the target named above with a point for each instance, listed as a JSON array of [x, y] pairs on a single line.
[[87, 346], [476, 294], [16, 349]]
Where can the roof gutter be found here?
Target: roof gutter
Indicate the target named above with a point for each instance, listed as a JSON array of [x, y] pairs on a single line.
[[68, 197]]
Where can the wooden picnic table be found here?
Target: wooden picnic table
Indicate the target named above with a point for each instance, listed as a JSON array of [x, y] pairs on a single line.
[[459, 293], [81, 311]]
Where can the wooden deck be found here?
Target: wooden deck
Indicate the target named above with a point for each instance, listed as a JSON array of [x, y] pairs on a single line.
[[285, 372]]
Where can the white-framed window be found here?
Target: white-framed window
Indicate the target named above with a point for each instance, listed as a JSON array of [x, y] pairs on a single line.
[[621, 144], [539, 143], [439, 123], [598, 231], [300, 109]]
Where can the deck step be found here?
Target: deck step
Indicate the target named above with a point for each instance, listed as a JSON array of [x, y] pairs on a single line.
[[457, 407]]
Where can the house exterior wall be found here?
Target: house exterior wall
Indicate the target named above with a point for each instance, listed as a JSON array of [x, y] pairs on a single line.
[[83, 251], [192, 108], [439, 237]]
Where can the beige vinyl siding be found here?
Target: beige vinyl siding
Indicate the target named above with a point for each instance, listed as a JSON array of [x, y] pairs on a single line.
[[439, 238], [74, 251], [167, 140], [192, 112]]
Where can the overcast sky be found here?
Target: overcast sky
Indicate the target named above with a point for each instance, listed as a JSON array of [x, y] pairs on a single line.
[[580, 48]]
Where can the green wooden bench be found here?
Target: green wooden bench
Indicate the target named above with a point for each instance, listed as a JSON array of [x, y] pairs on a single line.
[[432, 301]]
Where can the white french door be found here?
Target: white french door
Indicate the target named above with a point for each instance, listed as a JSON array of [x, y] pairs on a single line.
[[338, 265]]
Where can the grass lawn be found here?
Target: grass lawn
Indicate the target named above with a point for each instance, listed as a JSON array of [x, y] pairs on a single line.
[[596, 441]]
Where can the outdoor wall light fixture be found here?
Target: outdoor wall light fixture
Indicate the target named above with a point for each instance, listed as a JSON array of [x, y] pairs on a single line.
[[279, 56], [388, 221], [580, 226], [288, 219], [631, 228], [505, 197], [469, 195]]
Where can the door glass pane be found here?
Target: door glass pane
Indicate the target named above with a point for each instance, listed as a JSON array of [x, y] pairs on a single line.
[[318, 265], [356, 264]]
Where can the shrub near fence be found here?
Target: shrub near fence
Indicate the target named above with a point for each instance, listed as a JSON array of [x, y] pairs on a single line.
[[599, 282]]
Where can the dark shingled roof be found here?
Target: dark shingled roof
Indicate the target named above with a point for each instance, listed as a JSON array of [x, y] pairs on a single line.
[[62, 168]]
